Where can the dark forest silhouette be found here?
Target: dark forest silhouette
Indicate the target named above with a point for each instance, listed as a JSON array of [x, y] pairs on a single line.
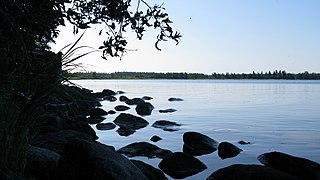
[[152, 75]]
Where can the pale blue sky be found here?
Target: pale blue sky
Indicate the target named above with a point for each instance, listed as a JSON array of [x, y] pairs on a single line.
[[222, 36]]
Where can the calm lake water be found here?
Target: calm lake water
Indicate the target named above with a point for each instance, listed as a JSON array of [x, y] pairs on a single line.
[[274, 115]]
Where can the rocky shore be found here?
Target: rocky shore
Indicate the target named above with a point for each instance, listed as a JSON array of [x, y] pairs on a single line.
[[66, 146]]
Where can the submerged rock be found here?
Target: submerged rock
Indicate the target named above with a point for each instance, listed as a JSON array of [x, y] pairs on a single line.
[[155, 138], [129, 121], [144, 109], [198, 144], [134, 101], [149, 171], [105, 126], [174, 99], [303, 168], [146, 98], [121, 108], [122, 131], [110, 98], [243, 142], [249, 172], [228, 150], [144, 149], [179, 165], [170, 110], [166, 125], [123, 98]]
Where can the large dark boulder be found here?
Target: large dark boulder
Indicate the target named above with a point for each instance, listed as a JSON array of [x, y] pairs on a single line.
[[228, 150], [42, 163], [149, 171], [166, 125], [249, 172], [129, 121], [81, 159], [134, 101], [179, 165], [121, 108], [144, 109], [197, 144], [56, 140], [303, 168], [144, 149]]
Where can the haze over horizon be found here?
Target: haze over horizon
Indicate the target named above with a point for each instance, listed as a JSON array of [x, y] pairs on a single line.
[[219, 36]]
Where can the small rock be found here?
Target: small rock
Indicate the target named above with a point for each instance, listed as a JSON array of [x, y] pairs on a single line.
[[108, 92], [121, 108], [122, 131], [155, 138], [179, 165], [120, 92], [123, 98], [146, 98], [134, 101], [111, 112], [167, 110], [144, 149], [228, 150], [243, 142], [166, 125], [174, 99], [144, 108], [110, 98], [105, 126]]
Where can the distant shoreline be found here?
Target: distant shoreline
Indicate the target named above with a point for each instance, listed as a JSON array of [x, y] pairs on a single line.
[[172, 75]]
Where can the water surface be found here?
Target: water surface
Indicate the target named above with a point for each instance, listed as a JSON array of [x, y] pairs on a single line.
[[274, 115]]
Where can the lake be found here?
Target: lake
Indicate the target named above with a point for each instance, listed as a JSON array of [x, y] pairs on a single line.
[[273, 115]]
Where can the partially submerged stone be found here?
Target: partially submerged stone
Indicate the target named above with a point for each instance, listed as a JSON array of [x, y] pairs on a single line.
[[179, 165], [144, 149], [144, 108], [198, 144], [249, 172], [228, 150], [105, 126], [149, 171], [300, 167], [166, 125], [129, 121], [170, 110]]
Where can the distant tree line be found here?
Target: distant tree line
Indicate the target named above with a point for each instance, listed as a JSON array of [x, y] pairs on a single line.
[[153, 75]]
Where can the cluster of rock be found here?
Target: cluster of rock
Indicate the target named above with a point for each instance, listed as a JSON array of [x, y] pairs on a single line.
[[66, 147]]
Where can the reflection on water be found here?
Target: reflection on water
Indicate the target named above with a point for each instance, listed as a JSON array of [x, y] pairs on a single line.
[[273, 115]]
